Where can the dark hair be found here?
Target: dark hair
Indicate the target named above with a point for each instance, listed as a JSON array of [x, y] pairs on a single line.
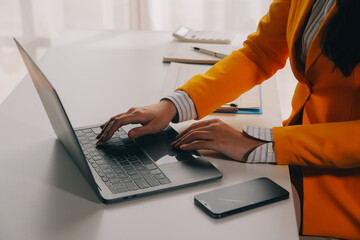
[[341, 36]]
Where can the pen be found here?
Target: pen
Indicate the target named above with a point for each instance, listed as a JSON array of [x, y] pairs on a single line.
[[228, 107], [209, 52]]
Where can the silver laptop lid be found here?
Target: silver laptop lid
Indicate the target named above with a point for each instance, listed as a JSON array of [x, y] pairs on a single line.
[[57, 116]]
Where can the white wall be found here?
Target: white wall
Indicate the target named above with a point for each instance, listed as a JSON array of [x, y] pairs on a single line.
[[36, 23]]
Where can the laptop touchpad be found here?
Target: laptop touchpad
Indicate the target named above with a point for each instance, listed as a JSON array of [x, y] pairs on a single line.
[[157, 146]]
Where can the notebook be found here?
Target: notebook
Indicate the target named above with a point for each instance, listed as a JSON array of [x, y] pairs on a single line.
[[122, 168], [183, 52]]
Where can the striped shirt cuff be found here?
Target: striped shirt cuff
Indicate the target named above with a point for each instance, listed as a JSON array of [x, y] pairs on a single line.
[[264, 153], [184, 105]]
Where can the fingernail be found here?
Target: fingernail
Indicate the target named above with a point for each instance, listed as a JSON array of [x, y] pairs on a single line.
[[131, 134], [183, 147]]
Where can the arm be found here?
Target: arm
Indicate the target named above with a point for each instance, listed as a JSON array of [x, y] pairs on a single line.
[[329, 145], [264, 52]]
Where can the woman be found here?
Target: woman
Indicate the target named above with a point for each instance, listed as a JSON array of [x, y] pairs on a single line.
[[322, 135]]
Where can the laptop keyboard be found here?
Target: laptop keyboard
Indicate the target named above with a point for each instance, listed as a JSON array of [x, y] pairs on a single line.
[[119, 162]]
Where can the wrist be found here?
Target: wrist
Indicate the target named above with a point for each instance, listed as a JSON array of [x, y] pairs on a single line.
[[170, 108], [263, 137], [252, 144]]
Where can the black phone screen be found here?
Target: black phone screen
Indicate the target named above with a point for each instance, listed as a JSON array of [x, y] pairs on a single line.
[[240, 197]]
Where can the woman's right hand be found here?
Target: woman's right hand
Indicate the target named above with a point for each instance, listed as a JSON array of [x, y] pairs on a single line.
[[153, 119]]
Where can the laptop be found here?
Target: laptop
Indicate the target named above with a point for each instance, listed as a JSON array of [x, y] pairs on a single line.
[[122, 168]]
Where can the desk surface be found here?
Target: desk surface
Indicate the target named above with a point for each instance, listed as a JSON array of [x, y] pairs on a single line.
[[98, 74]]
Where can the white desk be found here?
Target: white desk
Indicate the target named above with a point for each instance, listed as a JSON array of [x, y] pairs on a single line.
[[98, 74]]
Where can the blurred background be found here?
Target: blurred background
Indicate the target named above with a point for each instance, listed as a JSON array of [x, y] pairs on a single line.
[[37, 23]]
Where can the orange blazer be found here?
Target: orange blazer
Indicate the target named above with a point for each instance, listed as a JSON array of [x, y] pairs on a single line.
[[323, 132]]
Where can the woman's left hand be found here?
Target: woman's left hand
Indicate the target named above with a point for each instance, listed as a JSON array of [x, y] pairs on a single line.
[[218, 136]]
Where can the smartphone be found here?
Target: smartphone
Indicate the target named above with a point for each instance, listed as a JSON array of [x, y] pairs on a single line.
[[240, 197]]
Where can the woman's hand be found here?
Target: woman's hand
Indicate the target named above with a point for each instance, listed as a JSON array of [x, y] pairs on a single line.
[[153, 118], [216, 135]]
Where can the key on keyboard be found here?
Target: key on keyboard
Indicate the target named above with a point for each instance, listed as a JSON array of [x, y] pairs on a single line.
[[117, 164]]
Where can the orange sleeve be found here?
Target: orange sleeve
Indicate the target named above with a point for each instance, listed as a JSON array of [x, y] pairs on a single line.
[[329, 145], [264, 52]]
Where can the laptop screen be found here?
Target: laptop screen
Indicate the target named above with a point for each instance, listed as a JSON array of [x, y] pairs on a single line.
[[56, 114]]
